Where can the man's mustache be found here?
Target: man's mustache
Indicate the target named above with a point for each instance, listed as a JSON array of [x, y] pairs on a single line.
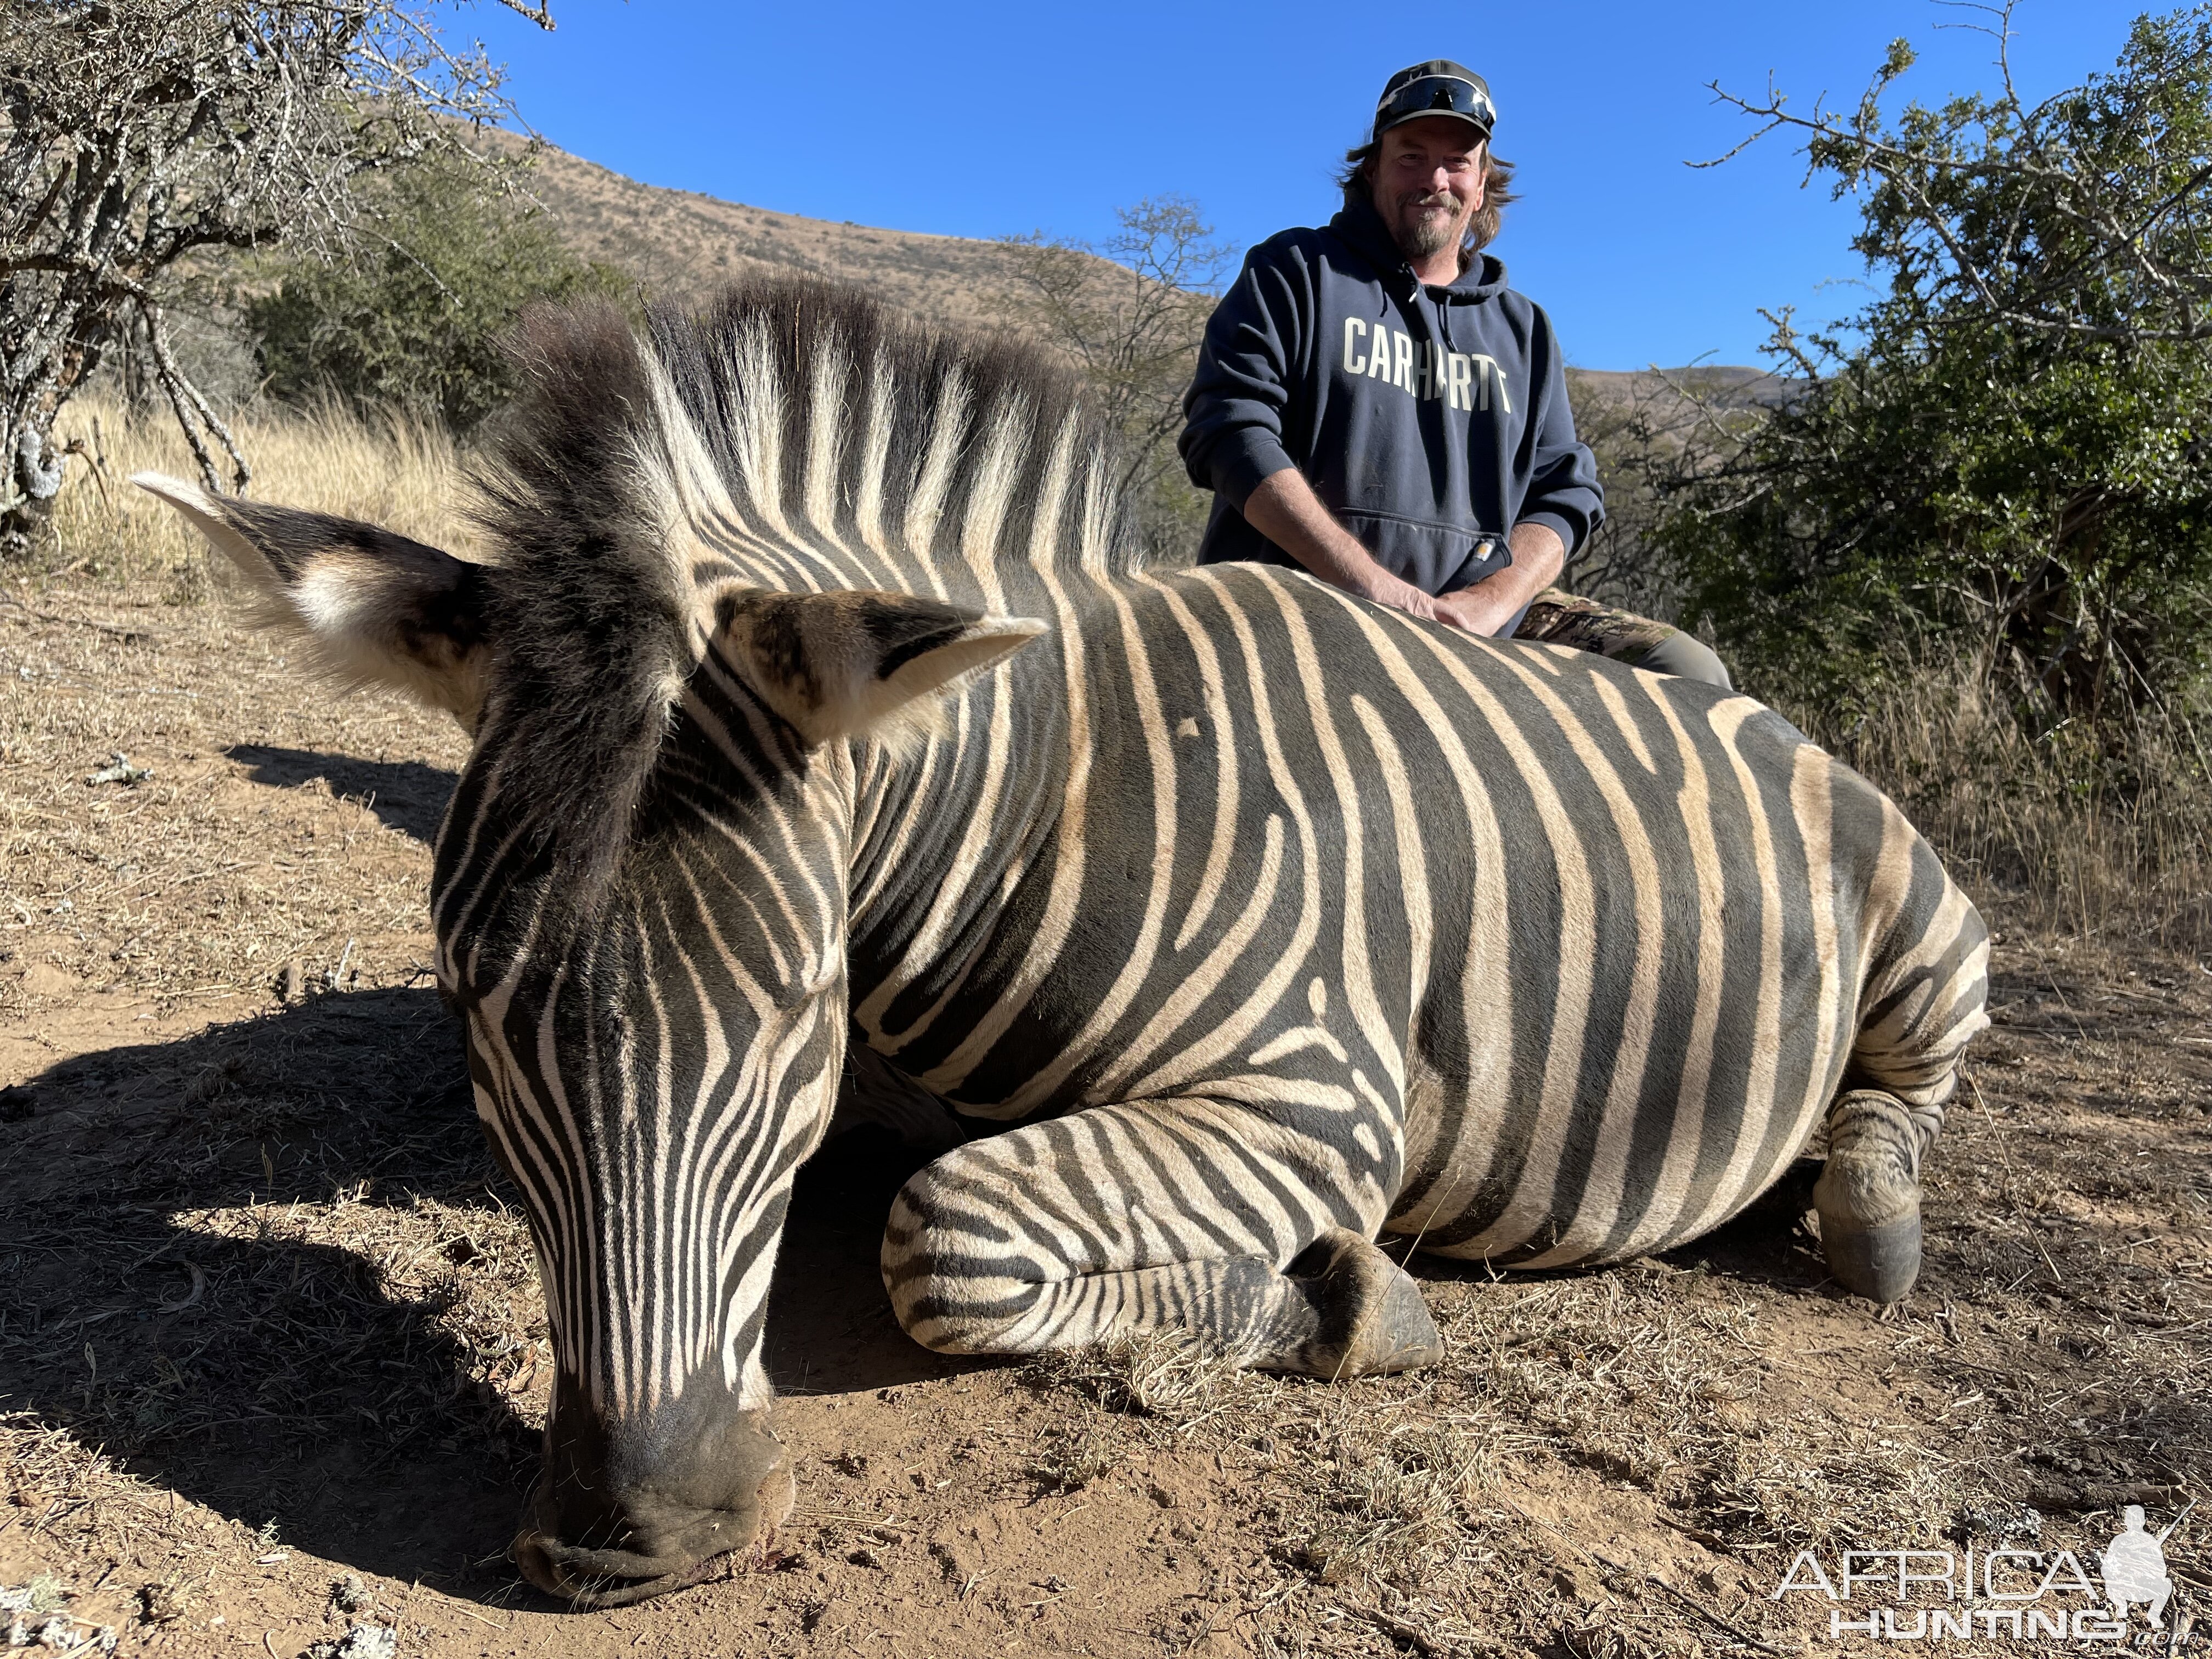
[[1421, 199]]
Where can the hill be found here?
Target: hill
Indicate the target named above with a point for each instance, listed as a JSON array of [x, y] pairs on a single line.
[[684, 243]]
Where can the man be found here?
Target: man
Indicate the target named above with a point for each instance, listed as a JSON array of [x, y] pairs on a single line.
[[1374, 404]]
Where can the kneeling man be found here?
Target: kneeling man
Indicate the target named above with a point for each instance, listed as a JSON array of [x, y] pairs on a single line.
[[1374, 404]]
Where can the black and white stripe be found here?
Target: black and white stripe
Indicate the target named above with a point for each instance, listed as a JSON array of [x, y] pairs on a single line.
[[1321, 916]]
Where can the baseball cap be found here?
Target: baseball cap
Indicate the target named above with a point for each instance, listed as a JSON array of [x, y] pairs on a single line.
[[1438, 86]]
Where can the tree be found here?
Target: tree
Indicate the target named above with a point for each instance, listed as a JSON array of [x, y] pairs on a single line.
[[1637, 427], [1130, 313], [2008, 448], [416, 321], [137, 136]]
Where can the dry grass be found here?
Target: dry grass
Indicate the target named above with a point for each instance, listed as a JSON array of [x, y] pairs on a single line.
[[2087, 830], [1622, 1463], [264, 1267], [399, 471], [281, 1233], [146, 888]]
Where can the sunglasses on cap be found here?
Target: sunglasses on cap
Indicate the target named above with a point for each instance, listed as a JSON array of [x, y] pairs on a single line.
[[1435, 95]]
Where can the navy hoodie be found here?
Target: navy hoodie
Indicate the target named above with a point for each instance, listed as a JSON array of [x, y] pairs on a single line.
[[1431, 420]]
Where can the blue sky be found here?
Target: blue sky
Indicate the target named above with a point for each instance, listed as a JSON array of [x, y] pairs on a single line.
[[990, 120]]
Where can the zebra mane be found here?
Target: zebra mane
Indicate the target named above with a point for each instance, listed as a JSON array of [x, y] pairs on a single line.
[[794, 436], [799, 435]]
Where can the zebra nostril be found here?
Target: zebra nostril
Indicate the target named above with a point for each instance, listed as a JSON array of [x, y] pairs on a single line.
[[588, 1578]]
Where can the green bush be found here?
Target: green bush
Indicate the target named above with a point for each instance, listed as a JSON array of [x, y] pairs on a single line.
[[2006, 458], [415, 320]]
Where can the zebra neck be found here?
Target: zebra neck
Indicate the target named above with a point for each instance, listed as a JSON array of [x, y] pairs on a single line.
[[943, 835]]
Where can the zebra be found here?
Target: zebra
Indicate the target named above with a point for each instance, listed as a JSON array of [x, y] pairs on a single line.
[[1233, 923]]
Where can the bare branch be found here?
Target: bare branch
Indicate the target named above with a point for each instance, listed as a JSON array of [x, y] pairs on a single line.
[[135, 134], [1128, 313]]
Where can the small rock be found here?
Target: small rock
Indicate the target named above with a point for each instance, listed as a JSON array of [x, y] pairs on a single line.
[[119, 769], [363, 1641], [1996, 1519], [42, 1594], [349, 1594]]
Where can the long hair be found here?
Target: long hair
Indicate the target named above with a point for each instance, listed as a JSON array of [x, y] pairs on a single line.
[[1358, 180]]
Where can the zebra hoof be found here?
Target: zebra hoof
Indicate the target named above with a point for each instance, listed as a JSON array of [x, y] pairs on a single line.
[[1372, 1319], [1879, 1263]]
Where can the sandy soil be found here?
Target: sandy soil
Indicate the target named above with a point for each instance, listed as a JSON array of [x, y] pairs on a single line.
[[272, 1357]]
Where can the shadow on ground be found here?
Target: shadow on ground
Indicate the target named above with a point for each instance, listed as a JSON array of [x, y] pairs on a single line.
[[407, 795], [272, 1268]]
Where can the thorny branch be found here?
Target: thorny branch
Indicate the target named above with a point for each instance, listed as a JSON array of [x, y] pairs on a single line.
[[2086, 245], [2005, 450]]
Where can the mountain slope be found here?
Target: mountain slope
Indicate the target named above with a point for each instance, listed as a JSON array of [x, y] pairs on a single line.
[[681, 243], [684, 244]]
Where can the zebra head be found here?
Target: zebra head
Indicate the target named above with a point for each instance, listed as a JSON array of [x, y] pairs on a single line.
[[641, 900]]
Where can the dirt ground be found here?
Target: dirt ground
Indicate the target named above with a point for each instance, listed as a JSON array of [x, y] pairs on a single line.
[[273, 1359]]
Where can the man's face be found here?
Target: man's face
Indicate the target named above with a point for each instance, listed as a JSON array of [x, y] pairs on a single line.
[[1428, 183]]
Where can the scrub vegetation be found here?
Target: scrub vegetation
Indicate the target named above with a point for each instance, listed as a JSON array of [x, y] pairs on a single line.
[[1129, 313], [417, 321]]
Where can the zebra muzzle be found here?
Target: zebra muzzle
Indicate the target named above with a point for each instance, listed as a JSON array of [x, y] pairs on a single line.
[[588, 1578], [651, 1507]]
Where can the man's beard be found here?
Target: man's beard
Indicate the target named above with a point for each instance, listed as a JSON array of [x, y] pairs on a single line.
[[1418, 238]]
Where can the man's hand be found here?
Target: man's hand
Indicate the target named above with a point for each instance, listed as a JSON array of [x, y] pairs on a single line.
[[1539, 556], [1482, 609], [1285, 510]]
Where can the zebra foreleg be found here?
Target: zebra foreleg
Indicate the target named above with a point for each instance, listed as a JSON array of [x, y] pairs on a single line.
[[1126, 1220], [1869, 1194]]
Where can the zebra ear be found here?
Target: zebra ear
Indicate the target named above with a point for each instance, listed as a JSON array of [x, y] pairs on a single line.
[[837, 664], [367, 607]]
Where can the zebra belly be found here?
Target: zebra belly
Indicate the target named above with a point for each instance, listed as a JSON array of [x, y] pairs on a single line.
[[1681, 1173], [1575, 1143]]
